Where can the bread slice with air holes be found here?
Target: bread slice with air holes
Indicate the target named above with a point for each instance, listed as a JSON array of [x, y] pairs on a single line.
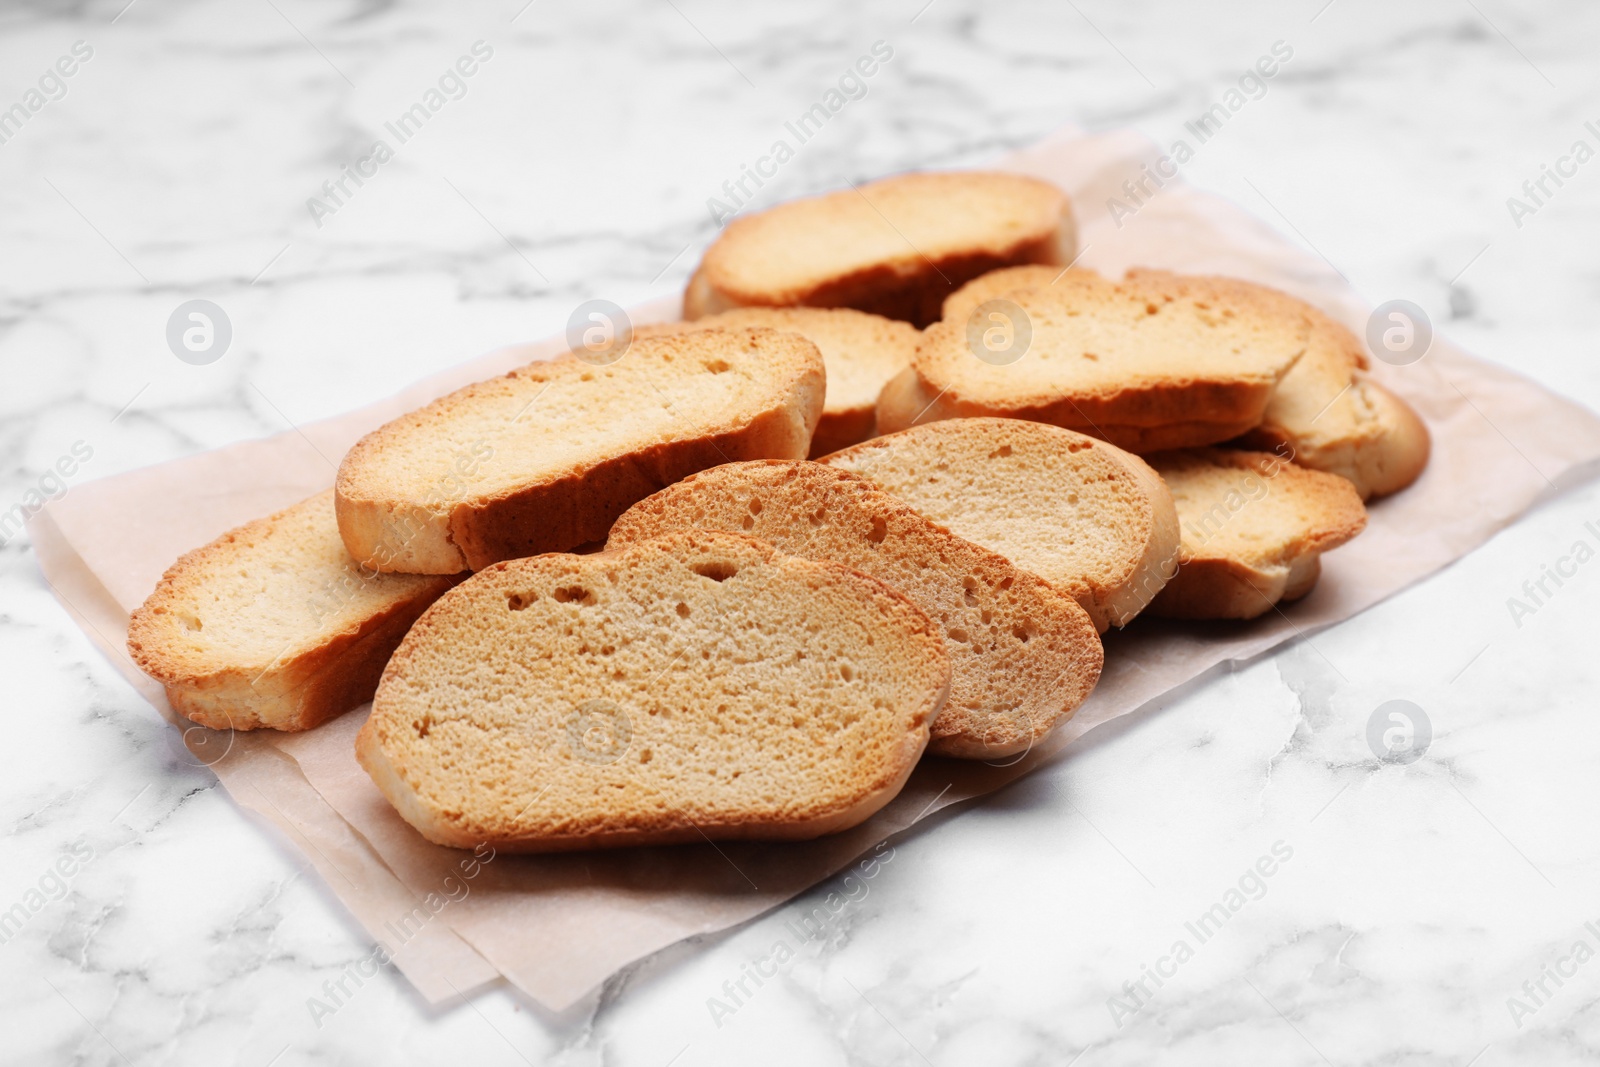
[[696, 686], [1146, 363], [895, 247], [1092, 520], [1254, 528], [1024, 655], [1328, 415], [861, 353], [546, 457], [273, 625]]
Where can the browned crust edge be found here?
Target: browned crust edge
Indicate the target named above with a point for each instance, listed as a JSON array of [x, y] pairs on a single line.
[[312, 688], [411, 807], [1116, 605], [293, 694], [956, 733], [563, 514], [910, 400], [841, 429], [913, 293], [1211, 585]]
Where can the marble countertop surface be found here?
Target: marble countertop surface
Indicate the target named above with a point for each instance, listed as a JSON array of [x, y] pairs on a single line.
[[1442, 911]]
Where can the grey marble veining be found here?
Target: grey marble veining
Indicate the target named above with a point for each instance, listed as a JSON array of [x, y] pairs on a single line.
[[1426, 913]]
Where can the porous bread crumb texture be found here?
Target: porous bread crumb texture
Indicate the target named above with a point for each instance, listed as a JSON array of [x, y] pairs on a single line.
[[1325, 413], [1092, 520], [546, 457], [895, 247], [1145, 363], [1253, 527], [273, 624], [860, 351], [997, 284], [1023, 654], [697, 684]]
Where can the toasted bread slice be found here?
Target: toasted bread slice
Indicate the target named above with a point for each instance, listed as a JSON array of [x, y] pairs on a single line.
[[861, 353], [274, 625], [997, 284], [1327, 415], [546, 457], [1400, 445], [1092, 520], [1024, 655], [701, 685], [895, 247], [1331, 417], [1146, 363], [1254, 529]]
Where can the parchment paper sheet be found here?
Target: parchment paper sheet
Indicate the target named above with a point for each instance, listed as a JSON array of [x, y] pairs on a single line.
[[556, 927]]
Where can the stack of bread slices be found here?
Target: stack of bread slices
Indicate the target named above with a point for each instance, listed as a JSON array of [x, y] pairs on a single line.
[[873, 501]]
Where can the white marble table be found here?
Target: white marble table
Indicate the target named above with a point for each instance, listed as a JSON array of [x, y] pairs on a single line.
[[176, 163]]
